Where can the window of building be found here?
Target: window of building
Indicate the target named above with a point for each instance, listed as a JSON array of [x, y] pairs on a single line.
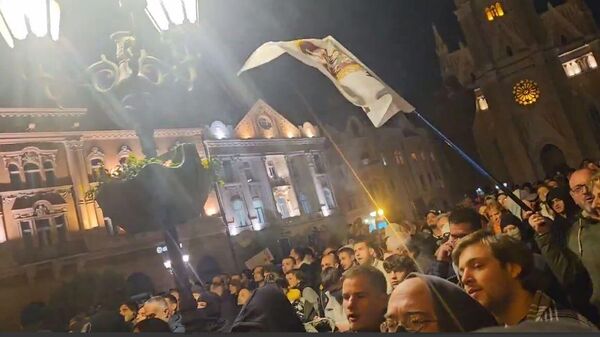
[[27, 234], [260, 210], [248, 172], [319, 166], [42, 228], [33, 177], [282, 207], [413, 156], [239, 211], [271, 170], [61, 228], [15, 177], [228, 171], [305, 204], [432, 155], [49, 172], [580, 65], [97, 166], [383, 160], [398, 158], [494, 11], [423, 156], [422, 179], [329, 198]]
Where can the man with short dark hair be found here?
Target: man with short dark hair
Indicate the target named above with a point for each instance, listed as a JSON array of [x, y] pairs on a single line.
[[463, 221], [174, 316], [398, 267], [303, 257], [364, 298], [288, 263], [364, 252], [494, 271], [259, 276], [346, 256]]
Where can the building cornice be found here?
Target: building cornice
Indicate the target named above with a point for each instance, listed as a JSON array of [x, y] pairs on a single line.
[[57, 136], [42, 112], [229, 143], [35, 191]]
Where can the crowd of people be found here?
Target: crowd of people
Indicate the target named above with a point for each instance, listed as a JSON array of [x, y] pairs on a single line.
[[487, 265]]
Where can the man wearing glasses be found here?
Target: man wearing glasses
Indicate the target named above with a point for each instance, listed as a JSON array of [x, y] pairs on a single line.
[[578, 262]]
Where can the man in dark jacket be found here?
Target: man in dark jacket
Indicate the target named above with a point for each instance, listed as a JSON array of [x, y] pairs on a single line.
[[576, 265]]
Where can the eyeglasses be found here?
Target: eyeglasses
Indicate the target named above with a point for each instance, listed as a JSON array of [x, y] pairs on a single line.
[[413, 323], [581, 189]]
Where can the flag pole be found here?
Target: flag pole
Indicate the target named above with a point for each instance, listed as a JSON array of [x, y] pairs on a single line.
[[473, 163]]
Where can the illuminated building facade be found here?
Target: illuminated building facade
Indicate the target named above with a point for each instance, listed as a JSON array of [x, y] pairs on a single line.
[[534, 78]]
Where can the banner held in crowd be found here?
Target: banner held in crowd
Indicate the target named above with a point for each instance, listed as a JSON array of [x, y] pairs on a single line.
[[360, 85]]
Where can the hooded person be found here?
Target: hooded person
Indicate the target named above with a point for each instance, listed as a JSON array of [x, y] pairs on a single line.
[[565, 211], [267, 310], [425, 303], [208, 316]]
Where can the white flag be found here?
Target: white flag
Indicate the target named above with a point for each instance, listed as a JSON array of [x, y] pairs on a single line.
[[361, 86]]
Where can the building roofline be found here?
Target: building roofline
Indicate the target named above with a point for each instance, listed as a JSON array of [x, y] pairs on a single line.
[[42, 112]]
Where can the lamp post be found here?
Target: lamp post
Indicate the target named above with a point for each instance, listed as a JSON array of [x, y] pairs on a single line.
[[134, 81], [131, 83]]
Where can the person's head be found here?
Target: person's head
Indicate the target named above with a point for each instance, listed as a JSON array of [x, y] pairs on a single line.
[[346, 256], [558, 199], [364, 297], [151, 325], [331, 279], [398, 267], [442, 223], [32, 315], [175, 293], [494, 212], [128, 310], [493, 269], [298, 253], [295, 278], [310, 255], [218, 285], [430, 218], [396, 244], [542, 192], [288, 263], [157, 307], [424, 303], [463, 221], [330, 260], [259, 274], [243, 296], [502, 198], [330, 249], [172, 304], [595, 189], [234, 286], [364, 251], [551, 183], [580, 191]]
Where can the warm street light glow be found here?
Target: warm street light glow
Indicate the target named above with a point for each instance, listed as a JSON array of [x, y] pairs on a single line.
[[380, 212], [20, 18], [167, 13]]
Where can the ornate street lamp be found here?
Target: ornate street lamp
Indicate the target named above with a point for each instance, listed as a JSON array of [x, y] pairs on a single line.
[[166, 14]]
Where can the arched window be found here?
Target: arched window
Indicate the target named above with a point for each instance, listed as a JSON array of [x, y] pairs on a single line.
[[97, 166], [329, 198], [260, 210], [33, 177], [50, 174], [239, 211], [15, 176]]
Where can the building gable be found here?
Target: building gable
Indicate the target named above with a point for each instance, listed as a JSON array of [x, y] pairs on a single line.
[[262, 121]]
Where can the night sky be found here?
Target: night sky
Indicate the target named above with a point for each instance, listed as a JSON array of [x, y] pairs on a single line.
[[393, 37]]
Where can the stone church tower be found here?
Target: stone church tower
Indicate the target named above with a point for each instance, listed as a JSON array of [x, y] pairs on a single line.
[[536, 84]]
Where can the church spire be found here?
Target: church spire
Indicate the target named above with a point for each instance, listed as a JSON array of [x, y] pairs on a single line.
[[440, 46]]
